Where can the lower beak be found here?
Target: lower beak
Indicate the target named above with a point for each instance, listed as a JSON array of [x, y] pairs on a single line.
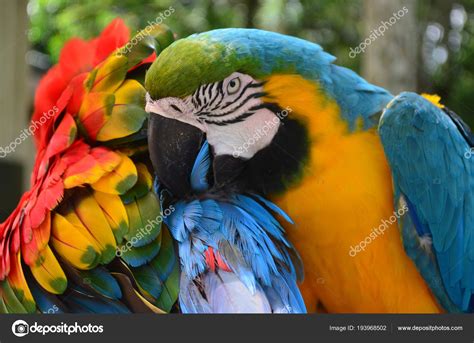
[[173, 148]]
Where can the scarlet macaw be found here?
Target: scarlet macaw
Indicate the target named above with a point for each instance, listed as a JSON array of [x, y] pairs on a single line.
[[88, 236]]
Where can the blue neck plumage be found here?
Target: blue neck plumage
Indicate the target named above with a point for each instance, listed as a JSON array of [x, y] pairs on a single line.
[[234, 255]]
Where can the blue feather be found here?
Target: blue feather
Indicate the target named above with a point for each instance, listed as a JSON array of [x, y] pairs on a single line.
[[426, 149], [83, 304], [211, 218], [100, 279], [274, 208], [200, 170], [184, 219], [46, 302]]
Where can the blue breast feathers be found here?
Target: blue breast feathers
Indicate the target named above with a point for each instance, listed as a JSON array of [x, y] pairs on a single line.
[[233, 252]]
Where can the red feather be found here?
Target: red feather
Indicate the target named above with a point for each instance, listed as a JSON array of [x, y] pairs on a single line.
[[76, 152], [76, 57], [210, 260], [77, 83], [63, 137], [60, 95], [213, 258], [114, 36], [49, 90], [29, 251]]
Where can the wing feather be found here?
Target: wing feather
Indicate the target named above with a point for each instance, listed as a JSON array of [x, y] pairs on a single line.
[[432, 169]]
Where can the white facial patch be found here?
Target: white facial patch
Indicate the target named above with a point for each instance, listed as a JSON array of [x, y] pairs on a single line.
[[173, 108], [246, 138]]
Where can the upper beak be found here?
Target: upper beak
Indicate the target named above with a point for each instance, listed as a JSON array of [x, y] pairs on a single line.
[[173, 147]]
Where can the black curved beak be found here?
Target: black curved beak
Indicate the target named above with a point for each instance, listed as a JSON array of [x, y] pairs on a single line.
[[173, 147]]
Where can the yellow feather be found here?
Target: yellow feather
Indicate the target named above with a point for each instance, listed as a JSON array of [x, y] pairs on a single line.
[[92, 217], [115, 213], [69, 242], [144, 175], [49, 273], [72, 218], [434, 99], [119, 180], [127, 114], [94, 102], [130, 92], [109, 75]]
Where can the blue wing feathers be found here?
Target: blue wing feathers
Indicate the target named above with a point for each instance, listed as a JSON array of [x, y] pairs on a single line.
[[426, 152]]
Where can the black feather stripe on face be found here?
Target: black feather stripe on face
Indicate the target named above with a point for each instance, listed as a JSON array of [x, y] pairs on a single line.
[[208, 102], [250, 85], [272, 107], [219, 94]]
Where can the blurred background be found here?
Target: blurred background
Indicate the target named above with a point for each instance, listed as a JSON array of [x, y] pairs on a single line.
[[430, 48]]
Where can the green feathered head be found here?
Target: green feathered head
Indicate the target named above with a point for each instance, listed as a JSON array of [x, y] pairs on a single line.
[[212, 56], [189, 63]]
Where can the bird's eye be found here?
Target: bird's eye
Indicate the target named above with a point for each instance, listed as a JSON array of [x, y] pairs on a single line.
[[233, 85]]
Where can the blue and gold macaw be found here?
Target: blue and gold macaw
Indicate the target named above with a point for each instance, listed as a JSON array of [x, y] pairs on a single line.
[[283, 122]]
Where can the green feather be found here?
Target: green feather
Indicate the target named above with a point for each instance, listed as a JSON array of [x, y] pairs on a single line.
[[141, 188], [166, 260], [170, 292], [139, 256], [11, 302], [148, 281], [152, 39], [145, 220], [3, 307]]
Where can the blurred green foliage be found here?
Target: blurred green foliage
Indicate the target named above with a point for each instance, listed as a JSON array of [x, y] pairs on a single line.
[[454, 79], [55, 21], [446, 47]]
